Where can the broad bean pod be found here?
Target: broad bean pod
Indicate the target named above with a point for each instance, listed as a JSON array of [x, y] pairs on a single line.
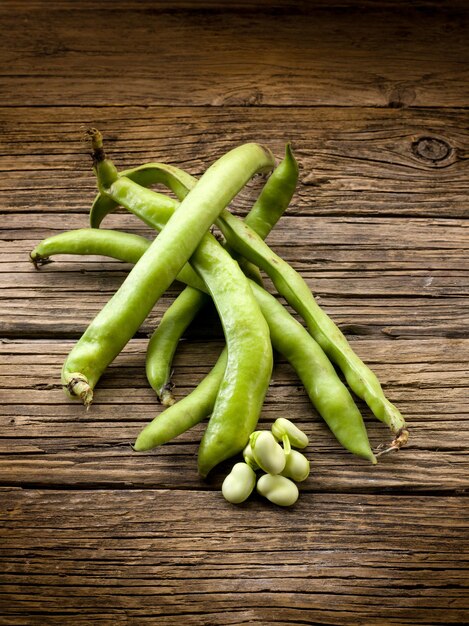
[[186, 413], [163, 342]]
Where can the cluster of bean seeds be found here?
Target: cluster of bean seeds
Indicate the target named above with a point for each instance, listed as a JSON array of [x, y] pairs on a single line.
[[283, 466]]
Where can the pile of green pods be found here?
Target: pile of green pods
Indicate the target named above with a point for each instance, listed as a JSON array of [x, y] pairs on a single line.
[[227, 270]]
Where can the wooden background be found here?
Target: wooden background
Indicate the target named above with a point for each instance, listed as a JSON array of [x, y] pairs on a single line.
[[373, 97]]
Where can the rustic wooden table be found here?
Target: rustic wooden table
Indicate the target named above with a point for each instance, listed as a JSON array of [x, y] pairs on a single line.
[[373, 96]]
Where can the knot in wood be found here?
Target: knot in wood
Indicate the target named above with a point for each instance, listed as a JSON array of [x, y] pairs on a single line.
[[431, 149]]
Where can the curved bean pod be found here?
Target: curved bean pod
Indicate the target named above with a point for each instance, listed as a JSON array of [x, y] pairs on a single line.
[[275, 196], [145, 175], [113, 243], [270, 205], [165, 339], [106, 243], [249, 365], [325, 389], [163, 342], [186, 413]]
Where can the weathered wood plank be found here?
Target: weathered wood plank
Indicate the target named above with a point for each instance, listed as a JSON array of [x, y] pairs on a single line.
[[353, 161], [117, 556], [440, 6], [378, 228], [47, 314], [47, 439], [374, 276], [301, 55]]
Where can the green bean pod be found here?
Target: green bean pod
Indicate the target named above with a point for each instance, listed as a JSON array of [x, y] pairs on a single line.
[[128, 248], [164, 340], [115, 244], [112, 243], [270, 205], [326, 391], [275, 196], [178, 316], [158, 267], [249, 365], [145, 175]]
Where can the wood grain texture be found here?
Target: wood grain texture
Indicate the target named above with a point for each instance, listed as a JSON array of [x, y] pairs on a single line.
[[373, 96], [297, 55], [140, 557], [353, 161], [374, 276], [49, 440]]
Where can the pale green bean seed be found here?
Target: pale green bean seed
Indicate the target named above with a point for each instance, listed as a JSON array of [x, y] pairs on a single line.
[[282, 427], [297, 466], [278, 489], [239, 483], [249, 457], [267, 453]]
